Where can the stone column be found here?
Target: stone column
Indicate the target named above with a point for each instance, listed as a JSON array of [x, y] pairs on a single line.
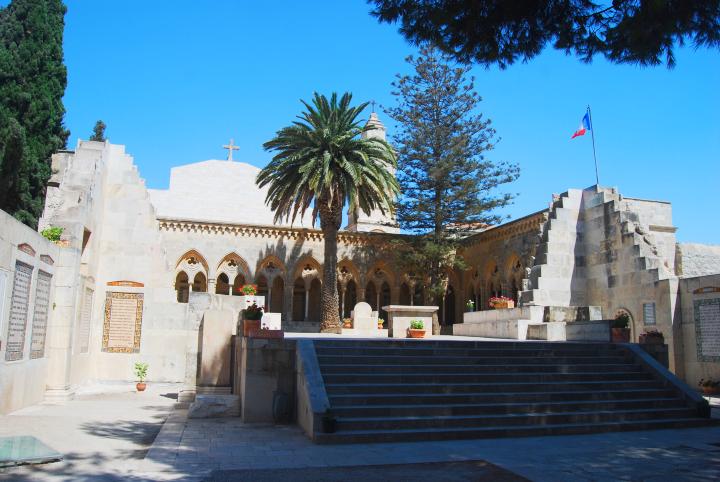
[[211, 285], [307, 303], [288, 301], [60, 332]]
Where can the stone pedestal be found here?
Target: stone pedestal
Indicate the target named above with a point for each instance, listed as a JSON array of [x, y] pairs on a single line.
[[216, 330], [399, 317]]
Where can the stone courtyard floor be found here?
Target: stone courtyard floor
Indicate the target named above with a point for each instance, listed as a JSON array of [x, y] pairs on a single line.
[[114, 436]]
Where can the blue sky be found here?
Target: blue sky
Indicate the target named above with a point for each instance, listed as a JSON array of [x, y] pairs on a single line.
[[175, 80]]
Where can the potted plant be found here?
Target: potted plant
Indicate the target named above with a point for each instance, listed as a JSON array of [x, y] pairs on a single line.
[[249, 290], [501, 302], [470, 305], [709, 387], [141, 374], [251, 319], [347, 322], [620, 330], [381, 322], [329, 422], [652, 337], [417, 329]]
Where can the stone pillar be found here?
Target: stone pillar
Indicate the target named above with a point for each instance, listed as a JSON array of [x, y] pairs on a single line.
[[288, 301], [60, 332], [307, 303], [212, 283], [342, 302]]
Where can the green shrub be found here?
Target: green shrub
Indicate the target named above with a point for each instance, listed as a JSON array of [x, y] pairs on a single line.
[[141, 371], [52, 233], [621, 321], [416, 325]]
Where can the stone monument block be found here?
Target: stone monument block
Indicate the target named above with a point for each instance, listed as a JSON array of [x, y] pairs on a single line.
[[271, 321], [215, 345], [362, 318]]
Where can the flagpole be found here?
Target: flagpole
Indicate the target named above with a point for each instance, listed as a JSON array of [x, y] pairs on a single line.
[[592, 133]]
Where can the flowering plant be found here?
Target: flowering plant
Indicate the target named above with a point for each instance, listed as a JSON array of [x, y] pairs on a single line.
[[709, 383], [253, 312], [497, 300], [470, 304], [249, 290]]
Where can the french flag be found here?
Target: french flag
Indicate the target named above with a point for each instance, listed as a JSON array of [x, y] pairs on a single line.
[[584, 126]]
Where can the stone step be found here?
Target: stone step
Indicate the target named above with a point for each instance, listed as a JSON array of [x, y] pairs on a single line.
[[489, 387], [469, 360], [454, 433], [511, 377], [512, 419], [498, 352], [408, 399], [503, 408], [495, 368], [425, 343]]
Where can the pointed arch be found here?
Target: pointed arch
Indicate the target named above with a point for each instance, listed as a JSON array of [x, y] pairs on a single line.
[[232, 264], [307, 267], [194, 260]]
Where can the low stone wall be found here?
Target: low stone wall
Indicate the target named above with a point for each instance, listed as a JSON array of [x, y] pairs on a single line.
[[266, 378]]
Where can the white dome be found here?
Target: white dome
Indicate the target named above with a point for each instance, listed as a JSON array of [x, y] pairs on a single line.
[[217, 191]]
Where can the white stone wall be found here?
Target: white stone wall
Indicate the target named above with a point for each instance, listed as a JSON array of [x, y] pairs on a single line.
[[697, 259], [22, 381]]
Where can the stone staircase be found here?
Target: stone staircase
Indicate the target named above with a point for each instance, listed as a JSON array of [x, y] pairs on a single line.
[[406, 390]]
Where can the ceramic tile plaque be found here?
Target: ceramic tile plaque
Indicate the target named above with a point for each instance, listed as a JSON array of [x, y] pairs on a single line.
[[123, 322], [40, 315], [707, 329], [17, 323], [85, 317]]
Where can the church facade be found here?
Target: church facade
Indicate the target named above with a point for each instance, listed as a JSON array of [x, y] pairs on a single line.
[[135, 268]]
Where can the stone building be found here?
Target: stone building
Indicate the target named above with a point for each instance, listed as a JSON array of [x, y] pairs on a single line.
[[135, 268]]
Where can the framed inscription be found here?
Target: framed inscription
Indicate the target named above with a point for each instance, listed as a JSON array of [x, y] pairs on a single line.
[[649, 313], [707, 329], [40, 315], [85, 317], [17, 323], [123, 322]]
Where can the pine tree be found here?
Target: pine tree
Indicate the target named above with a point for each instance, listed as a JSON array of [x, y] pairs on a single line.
[[32, 84], [449, 188], [98, 134]]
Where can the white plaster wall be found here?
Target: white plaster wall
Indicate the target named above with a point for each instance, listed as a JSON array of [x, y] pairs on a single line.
[[22, 382], [698, 259], [217, 191]]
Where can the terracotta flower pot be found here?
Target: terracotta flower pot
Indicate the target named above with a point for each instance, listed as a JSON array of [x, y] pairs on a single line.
[[141, 386], [347, 324], [250, 327], [651, 340], [620, 335], [416, 333], [710, 391]]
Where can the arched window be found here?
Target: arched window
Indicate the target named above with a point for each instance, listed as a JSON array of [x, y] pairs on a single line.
[[222, 287], [237, 285], [199, 283], [182, 287]]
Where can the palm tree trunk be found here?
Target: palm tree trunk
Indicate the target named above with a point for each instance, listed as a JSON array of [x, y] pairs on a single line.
[[329, 302]]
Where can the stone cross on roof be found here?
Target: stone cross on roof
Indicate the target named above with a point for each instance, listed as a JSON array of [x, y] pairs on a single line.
[[231, 147]]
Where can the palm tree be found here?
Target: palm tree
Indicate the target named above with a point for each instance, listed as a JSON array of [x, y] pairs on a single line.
[[322, 162]]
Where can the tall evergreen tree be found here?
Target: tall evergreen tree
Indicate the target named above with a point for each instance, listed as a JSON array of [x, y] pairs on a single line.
[[449, 188], [32, 84], [98, 132]]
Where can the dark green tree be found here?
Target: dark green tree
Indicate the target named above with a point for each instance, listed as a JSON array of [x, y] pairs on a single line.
[[98, 132], [449, 187], [502, 32], [322, 163], [32, 84]]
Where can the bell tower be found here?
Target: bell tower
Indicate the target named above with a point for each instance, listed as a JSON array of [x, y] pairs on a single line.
[[376, 221]]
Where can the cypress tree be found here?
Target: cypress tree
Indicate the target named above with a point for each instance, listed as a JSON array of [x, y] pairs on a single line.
[[98, 132], [32, 84]]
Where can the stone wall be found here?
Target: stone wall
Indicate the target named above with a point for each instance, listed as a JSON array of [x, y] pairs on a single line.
[[699, 307], [28, 264], [697, 259]]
